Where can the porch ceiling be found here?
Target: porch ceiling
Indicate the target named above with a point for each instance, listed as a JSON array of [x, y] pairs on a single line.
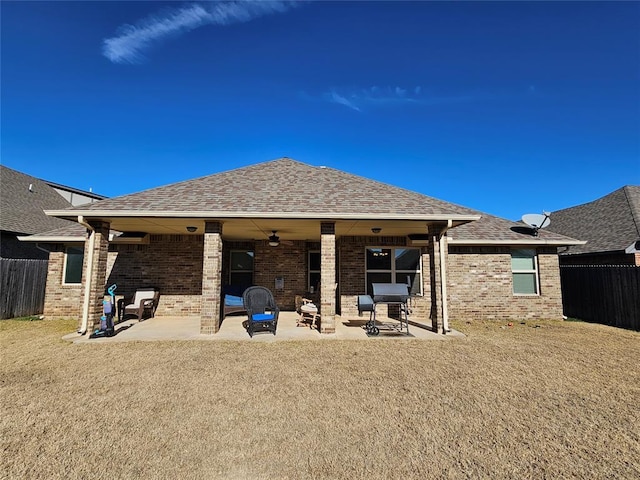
[[261, 228]]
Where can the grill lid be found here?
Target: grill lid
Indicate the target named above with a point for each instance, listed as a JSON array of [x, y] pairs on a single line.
[[390, 292]]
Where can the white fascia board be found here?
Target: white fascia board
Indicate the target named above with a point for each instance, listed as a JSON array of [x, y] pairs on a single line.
[[283, 215], [52, 239], [556, 243]]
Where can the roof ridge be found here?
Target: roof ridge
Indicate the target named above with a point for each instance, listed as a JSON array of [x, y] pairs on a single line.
[[594, 200], [196, 179], [633, 207]]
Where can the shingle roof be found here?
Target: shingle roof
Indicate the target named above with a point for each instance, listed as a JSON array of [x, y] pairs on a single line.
[[282, 185], [610, 223], [70, 231], [496, 229], [22, 210], [289, 186]]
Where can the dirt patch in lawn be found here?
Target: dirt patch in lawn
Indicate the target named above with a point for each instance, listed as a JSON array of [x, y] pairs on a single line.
[[534, 400]]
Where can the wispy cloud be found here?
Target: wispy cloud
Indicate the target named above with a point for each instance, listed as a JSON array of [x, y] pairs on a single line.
[[131, 41], [335, 97], [376, 97]]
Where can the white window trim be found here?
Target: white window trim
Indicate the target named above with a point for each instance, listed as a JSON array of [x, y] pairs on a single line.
[[535, 272], [64, 269], [393, 266]]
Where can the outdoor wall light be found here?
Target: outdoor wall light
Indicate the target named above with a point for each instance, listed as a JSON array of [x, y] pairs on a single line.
[[191, 229], [376, 230]]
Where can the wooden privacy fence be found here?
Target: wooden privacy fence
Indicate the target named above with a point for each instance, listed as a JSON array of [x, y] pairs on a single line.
[[22, 285], [608, 294]]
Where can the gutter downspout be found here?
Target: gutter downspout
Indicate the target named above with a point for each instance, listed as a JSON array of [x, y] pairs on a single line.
[[87, 283], [443, 278], [42, 249]]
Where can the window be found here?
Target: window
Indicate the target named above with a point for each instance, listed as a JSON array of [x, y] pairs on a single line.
[[241, 268], [313, 275], [524, 267], [73, 265], [394, 265]]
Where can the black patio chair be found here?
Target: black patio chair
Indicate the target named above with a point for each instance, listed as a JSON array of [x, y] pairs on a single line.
[[257, 301]]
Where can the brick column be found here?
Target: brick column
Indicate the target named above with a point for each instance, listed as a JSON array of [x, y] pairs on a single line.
[[435, 277], [327, 277], [211, 278], [95, 272]]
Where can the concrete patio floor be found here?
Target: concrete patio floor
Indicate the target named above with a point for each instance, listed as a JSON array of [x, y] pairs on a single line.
[[188, 328]]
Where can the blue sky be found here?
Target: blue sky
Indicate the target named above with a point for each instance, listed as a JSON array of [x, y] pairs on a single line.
[[505, 107]]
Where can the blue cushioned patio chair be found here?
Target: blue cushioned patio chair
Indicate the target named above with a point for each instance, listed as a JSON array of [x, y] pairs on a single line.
[[261, 309]]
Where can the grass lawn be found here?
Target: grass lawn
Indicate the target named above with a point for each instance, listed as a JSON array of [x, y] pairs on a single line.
[[558, 401]]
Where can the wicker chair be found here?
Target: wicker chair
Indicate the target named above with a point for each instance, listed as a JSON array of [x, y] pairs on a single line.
[[257, 301], [143, 304]]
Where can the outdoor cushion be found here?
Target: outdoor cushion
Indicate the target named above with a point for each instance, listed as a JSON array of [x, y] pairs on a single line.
[[260, 317], [232, 300]]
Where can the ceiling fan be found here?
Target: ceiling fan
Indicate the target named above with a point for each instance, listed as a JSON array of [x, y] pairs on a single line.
[[274, 240]]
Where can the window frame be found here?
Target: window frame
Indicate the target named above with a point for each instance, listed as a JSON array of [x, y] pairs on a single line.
[[394, 271], [235, 270], [535, 271], [310, 271], [65, 265]]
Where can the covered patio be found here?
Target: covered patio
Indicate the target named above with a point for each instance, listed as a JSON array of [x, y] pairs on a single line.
[[232, 329]]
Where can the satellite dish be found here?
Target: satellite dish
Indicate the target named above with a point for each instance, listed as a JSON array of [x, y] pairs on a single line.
[[537, 221]]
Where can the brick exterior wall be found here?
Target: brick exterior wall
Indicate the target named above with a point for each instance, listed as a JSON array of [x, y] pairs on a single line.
[[328, 278], [351, 279], [172, 263], [480, 286], [61, 301], [479, 278], [97, 274], [211, 279], [286, 261]]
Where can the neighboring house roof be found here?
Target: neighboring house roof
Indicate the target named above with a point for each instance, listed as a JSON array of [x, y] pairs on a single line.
[[286, 188], [609, 224], [75, 196], [23, 207]]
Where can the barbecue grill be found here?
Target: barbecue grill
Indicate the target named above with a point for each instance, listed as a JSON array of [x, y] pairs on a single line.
[[390, 294]]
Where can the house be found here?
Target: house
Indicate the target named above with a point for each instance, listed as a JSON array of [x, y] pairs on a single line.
[[301, 229], [23, 199], [610, 225]]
